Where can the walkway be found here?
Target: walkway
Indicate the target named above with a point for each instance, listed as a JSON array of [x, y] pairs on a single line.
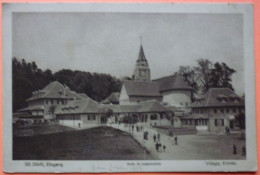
[[190, 147]]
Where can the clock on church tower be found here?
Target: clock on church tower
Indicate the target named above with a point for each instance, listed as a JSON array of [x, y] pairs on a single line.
[[142, 70]]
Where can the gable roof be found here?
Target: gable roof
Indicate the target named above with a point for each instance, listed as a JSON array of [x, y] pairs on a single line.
[[86, 105], [54, 90], [112, 98], [212, 98], [83, 95], [152, 106], [32, 108], [146, 106], [134, 88], [172, 82], [123, 108]]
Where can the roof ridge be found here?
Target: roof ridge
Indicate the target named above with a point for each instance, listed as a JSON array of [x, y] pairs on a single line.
[[167, 76]]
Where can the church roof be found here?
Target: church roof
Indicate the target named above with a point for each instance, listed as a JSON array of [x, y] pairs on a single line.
[[214, 98], [141, 56], [135, 88], [172, 82]]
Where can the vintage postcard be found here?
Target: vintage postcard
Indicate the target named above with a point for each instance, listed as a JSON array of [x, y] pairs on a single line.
[[128, 88]]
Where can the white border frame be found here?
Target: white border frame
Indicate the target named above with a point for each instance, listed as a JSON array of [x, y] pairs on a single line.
[[250, 164]]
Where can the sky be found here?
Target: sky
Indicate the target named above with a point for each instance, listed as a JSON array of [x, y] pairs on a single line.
[[110, 42]]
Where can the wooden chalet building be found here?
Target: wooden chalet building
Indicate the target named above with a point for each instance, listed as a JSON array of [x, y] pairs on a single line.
[[215, 111], [43, 103]]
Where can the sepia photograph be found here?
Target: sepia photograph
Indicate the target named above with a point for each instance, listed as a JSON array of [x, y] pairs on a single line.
[[144, 87]]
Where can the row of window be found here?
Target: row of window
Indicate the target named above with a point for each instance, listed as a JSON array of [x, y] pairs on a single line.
[[219, 122], [186, 104], [58, 102], [69, 117], [75, 117], [196, 122], [91, 117], [224, 100], [220, 110]]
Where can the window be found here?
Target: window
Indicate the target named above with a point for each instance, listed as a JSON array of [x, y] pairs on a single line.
[[215, 110], [234, 110], [46, 102], [58, 102], [222, 110], [52, 102], [154, 117], [91, 117], [162, 116], [222, 121], [227, 110]]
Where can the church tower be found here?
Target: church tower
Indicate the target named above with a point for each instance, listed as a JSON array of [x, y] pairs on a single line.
[[142, 70]]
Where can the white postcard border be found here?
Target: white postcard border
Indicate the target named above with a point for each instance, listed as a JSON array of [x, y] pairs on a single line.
[[250, 164]]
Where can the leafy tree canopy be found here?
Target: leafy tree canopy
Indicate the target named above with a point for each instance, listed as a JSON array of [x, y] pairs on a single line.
[[27, 77]]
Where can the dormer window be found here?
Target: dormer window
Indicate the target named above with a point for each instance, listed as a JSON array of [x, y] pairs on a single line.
[[222, 98], [236, 100]]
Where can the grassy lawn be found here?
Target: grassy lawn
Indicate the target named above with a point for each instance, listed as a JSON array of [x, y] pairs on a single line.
[[45, 129], [102, 143]]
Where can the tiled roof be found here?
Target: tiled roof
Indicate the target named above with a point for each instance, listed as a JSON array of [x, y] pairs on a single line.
[[215, 97], [146, 106], [112, 98], [86, 105], [173, 82], [55, 90], [123, 108], [134, 88], [152, 106], [83, 95], [175, 109], [32, 108]]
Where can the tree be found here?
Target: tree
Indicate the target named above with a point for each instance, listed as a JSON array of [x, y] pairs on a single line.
[[207, 75], [27, 77], [203, 71], [220, 76], [241, 120], [190, 77]]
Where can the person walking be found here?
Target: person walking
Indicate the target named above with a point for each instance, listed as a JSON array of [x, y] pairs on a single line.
[[154, 138], [243, 151], [234, 149], [157, 146], [158, 136], [164, 147], [176, 140]]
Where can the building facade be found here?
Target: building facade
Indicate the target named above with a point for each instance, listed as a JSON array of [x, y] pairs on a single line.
[[216, 111], [43, 103]]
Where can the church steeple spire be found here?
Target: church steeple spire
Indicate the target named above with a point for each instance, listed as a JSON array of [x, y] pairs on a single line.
[[142, 70], [141, 56]]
